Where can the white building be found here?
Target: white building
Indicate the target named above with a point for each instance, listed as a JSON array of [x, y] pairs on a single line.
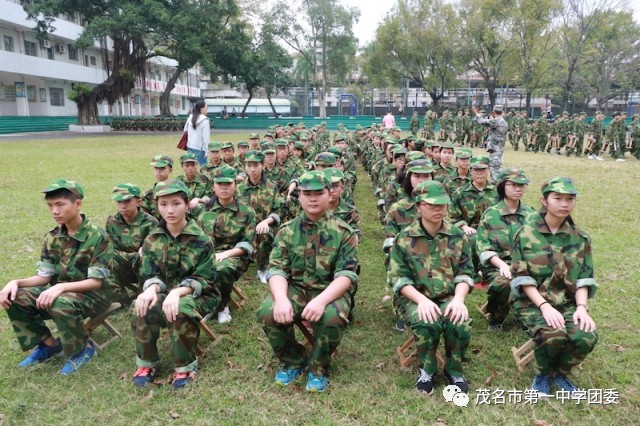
[[36, 76]]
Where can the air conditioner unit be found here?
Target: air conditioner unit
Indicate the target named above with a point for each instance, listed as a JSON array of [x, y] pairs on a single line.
[[46, 44], [60, 48]]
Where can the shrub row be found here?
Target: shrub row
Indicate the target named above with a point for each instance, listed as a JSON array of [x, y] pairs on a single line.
[[159, 124]]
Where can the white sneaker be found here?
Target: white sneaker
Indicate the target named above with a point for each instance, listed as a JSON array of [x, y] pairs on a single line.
[[224, 316], [262, 276], [599, 158], [620, 159], [590, 157]]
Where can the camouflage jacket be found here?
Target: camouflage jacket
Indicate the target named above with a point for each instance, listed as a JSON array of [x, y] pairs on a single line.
[[312, 254], [497, 228], [468, 204], [349, 214], [497, 130], [128, 238], [148, 204], [596, 128], [236, 164], [434, 265], [85, 254], [558, 265], [392, 193], [440, 173], [278, 176], [229, 227], [401, 214], [209, 168], [200, 186], [263, 198], [187, 260], [454, 181]]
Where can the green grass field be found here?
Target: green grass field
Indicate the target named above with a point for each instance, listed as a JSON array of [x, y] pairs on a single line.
[[234, 383]]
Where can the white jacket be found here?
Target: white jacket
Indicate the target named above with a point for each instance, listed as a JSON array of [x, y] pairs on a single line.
[[198, 138]]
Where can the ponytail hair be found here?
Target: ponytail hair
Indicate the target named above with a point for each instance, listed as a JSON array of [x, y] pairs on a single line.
[[195, 113]]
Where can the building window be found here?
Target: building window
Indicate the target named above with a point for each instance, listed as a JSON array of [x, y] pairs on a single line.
[[73, 52], [8, 43], [92, 60], [30, 48], [56, 95], [50, 53]]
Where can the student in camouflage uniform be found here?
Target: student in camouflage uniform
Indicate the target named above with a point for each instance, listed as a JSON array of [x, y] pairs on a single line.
[[264, 198], [337, 205], [127, 230], [312, 277], [552, 281], [230, 223], [178, 269], [215, 159], [496, 139], [243, 148], [429, 125], [162, 168], [461, 175], [199, 184], [431, 272], [444, 168], [414, 124], [228, 156], [634, 129], [494, 242], [276, 175], [72, 283], [596, 131]]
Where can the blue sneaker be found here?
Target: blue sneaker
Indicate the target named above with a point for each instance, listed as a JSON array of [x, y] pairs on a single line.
[[77, 361], [41, 353], [564, 383], [181, 380], [287, 375], [542, 385], [316, 383]]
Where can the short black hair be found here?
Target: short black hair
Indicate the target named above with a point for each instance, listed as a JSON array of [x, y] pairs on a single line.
[[61, 193]]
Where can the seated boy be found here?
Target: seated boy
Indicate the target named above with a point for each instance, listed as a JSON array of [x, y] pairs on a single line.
[[162, 168], [312, 277], [75, 262]]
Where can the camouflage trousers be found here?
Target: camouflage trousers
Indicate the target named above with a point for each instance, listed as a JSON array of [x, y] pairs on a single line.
[[618, 148], [556, 350], [327, 332], [68, 312], [227, 273], [497, 295], [595, 149], [263, 244], [577, 149], [427, 336], [184, 332], [125, 268], [495, 160]]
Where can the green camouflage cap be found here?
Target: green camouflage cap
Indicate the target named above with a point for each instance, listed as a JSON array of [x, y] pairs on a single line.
[[335, 151], [268, 135], [391, 141], [271, 129], [171, 186], [70, 185], [436, 144], [464, 153], [429, 143], [189, 157], [559, 184], [326, 159], [254, 156], [243, 144], [431, 192], [598, 112], [398, 150], [214, 146], [447, 145], [615, 113], [415, 155], [290, 124], [298, 145], [268, 147], [513, 175], [339, 137], [254, 136], [420, 166], [323, 123], [304, 136], [282, 142], [480, 162], [224, 174], [314, 180], [227, 144], [334, 175], [162, 160], [565, 113], [126, 191], [396, 129], [301, 125]]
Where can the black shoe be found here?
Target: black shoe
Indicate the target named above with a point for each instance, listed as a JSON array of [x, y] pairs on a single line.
[[495, 326], [425, 382], [460, 382], [399, 325]]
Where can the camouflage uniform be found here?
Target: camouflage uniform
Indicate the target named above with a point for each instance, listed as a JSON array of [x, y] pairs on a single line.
[[200, 186], [414, 124], [310, 255], [434, 265], [495, 142]]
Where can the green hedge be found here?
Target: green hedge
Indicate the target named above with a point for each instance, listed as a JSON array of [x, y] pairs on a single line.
[[160, 124]]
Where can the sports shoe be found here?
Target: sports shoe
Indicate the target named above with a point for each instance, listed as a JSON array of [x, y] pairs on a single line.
[[262, 276], [542, 385], [316, 383], [481, 286], [494, 326], [77, 361], [590, 157], [564, 383], [425, 382], [459, 381], [621, 160], [180, 380], [599, 158], [399, 325], [287, 375], [41, 353], [224, 316], [144, 376]]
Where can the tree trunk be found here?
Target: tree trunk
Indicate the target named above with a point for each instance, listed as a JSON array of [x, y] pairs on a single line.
[[88, 109], [275, 113], [323, 83], [244, 109], [306, 94], [435, 100], [165, 111], [527, 103]]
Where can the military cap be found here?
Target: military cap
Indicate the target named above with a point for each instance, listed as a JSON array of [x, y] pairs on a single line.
[[290, 124], [301, 125], [422, 165], [429, 143], [254, 156], [227, 144], [323, 123], [559, 184], [391, 141], [334, 175], [513, 175], [598, 112], [268, 148], [254, 136], [214, 146], [436, 144], [326, 159], [339, 137], [268, 135], [314, 180], [171, 186], [480, 162], [358, 127], [399, 150], [126, 191], [583, 114], [304, 136], [447, 145], [430, 191], [634, 116], [615, 113], [225, 174], [415, 155], [419, 143], [463, 153], [188, 158], [161, 160], [335, 151], [281, 142], [243, 144], [396, 129], [70, 185], [298, 145], [565, 113], [272, 128], [497, 108]]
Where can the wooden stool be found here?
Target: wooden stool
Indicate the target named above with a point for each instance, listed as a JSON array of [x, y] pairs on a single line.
[[242, 299], [101, 319], [307, 333], [524, 354], [483, 310], [407, 353], [204, 328]]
